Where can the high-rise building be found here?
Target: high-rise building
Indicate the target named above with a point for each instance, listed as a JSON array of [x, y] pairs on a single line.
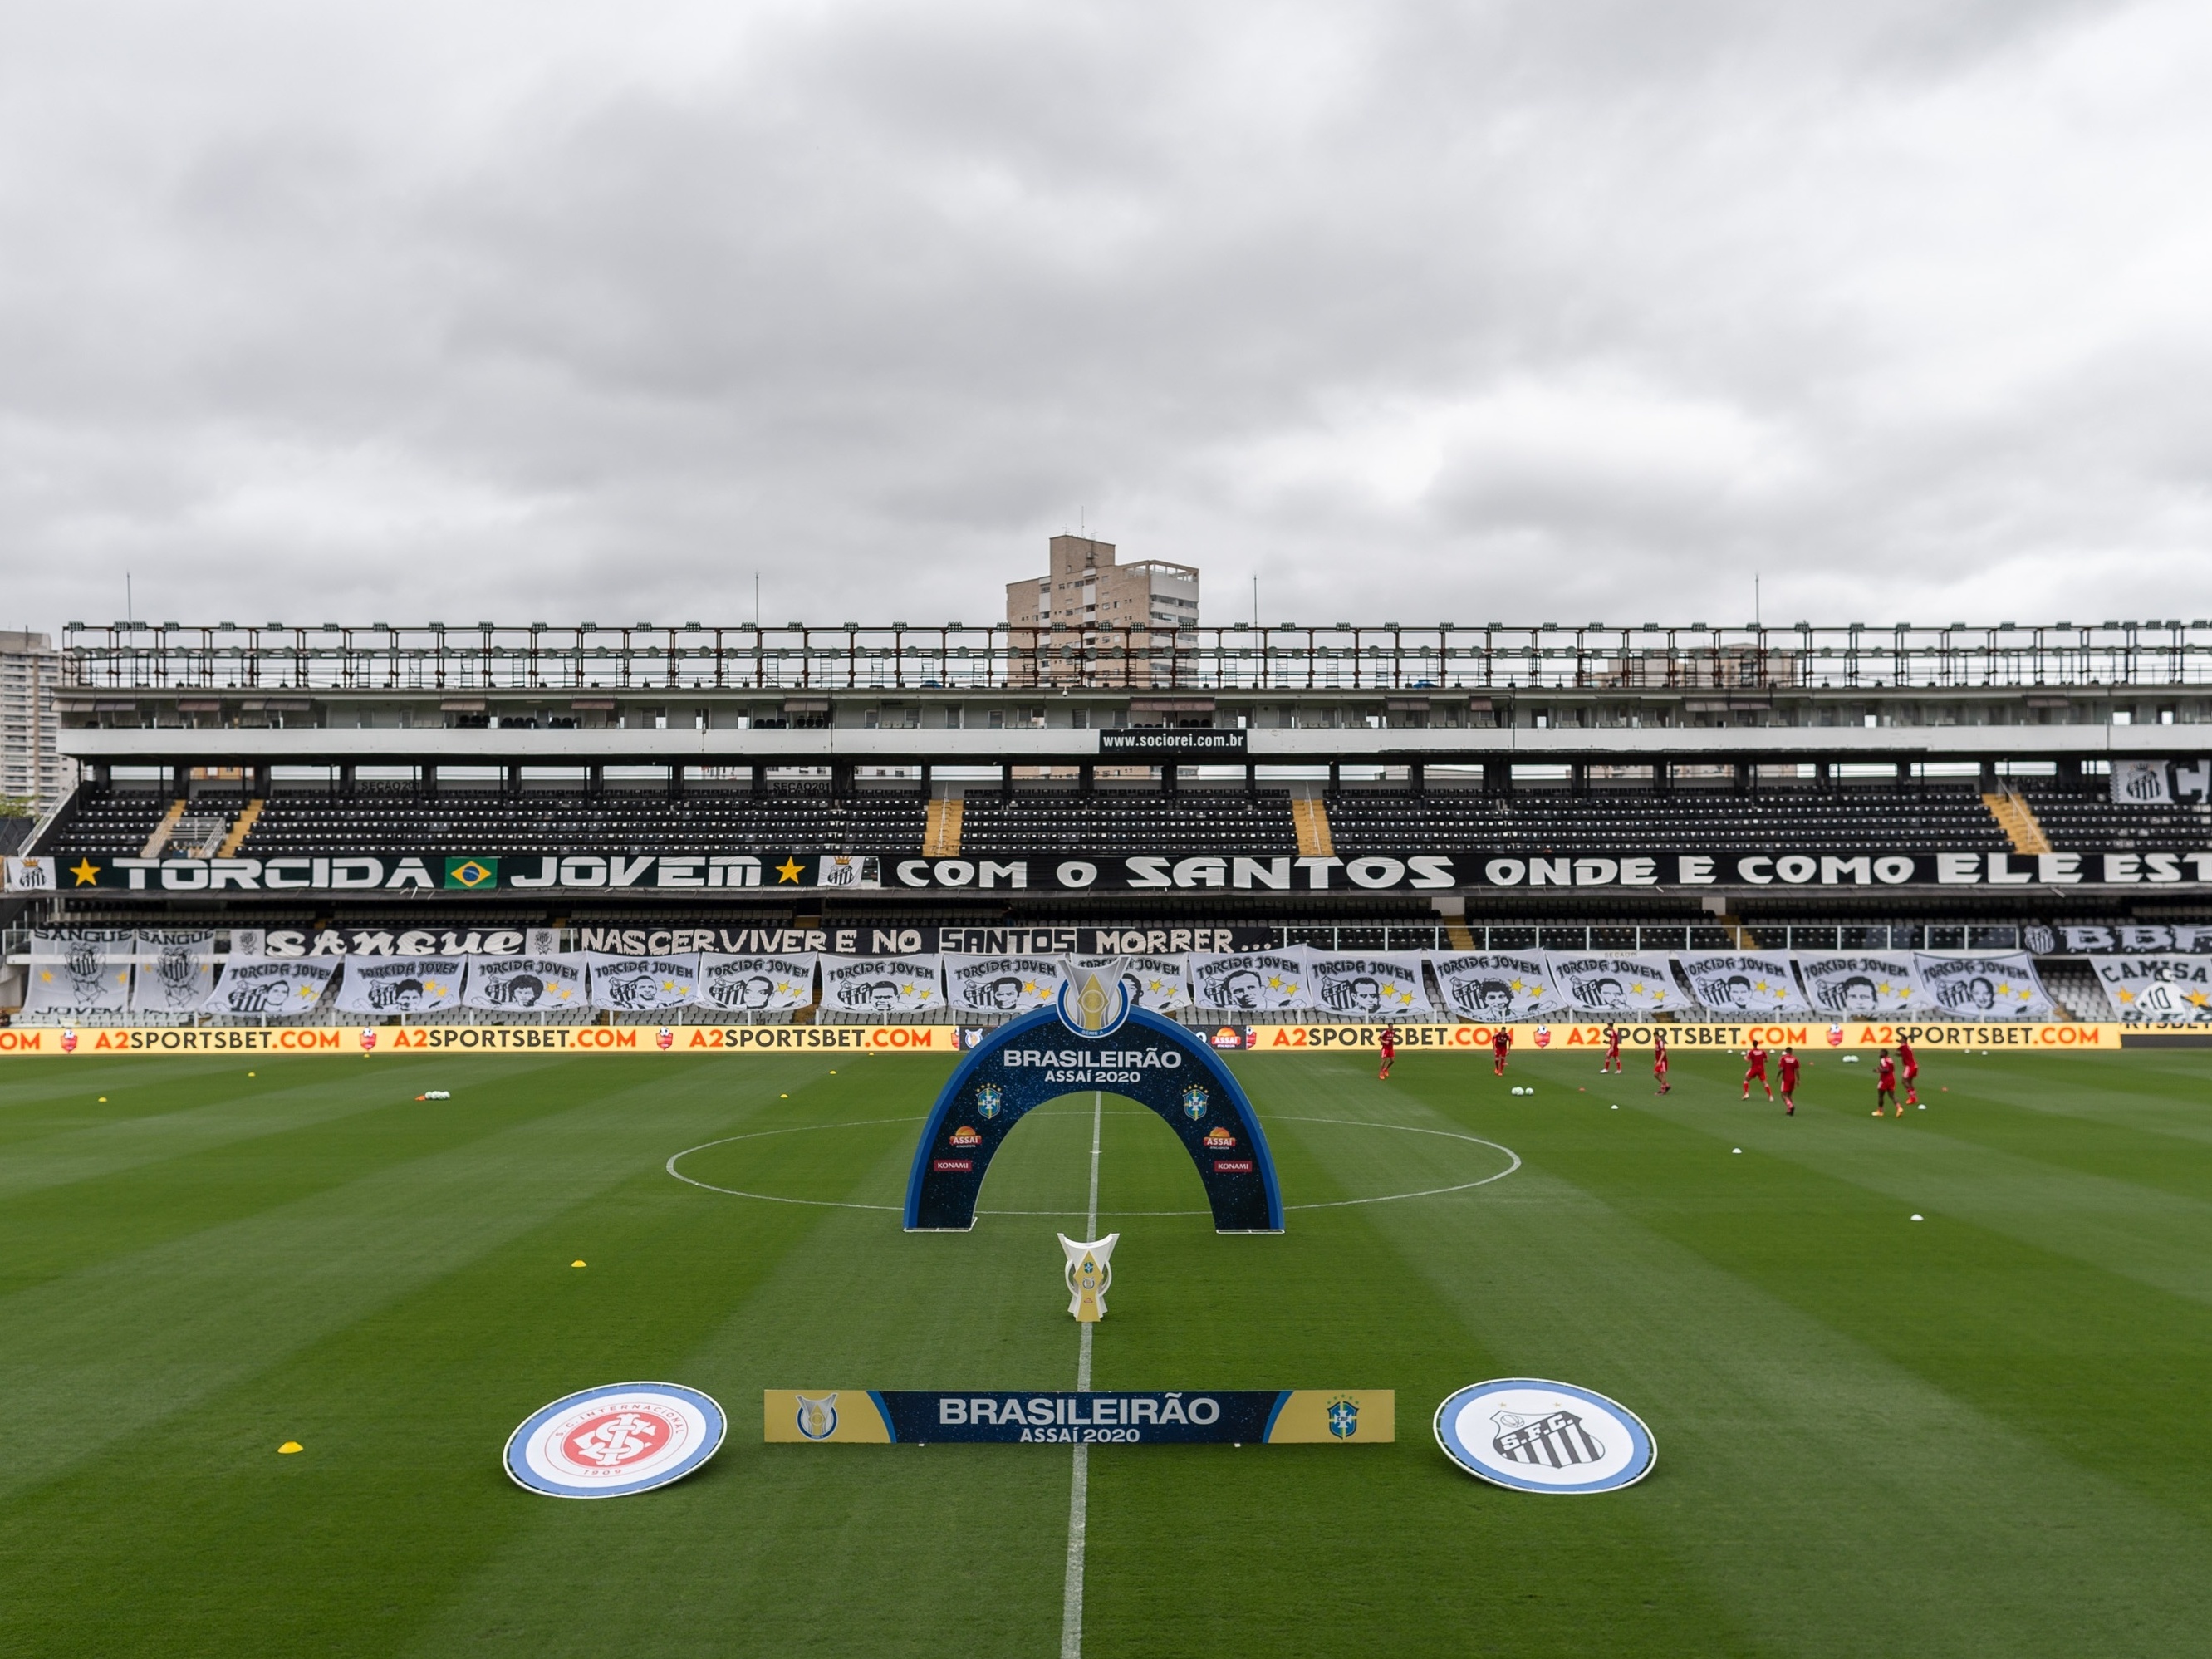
[[1117, 623], [32, 767]]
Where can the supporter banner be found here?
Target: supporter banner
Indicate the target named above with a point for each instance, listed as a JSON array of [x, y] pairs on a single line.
[[1253, 981], [1632, 984], [641, 984], [1406, 871], [79, 973], [865, 936], [1384, 986], [448, 939], [2160, 782], [1494, 985], [1986, 988], [884, 985], [2157, 990], [1240, 1417], [537, 984], [999, 985], [1866, 986], [1471, 1039], [261, 986], [176, 971], [757, 984], [403, 985], [1106, 938], [32, 875], [1754, 982], [1159, 983], [2181, 938]]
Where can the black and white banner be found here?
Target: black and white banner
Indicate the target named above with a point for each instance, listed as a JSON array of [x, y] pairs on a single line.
[[265, 987], [2157, 990], [79, 973], [1742, 982], [1863, 985], [1635, 983], [884, 985], [755, 984], [635, 985], [999, 985], [401, 985], [542, 984], [2161, 783], [2139, 938], [1375, 986], [176, 972], [1255, 873], [1494, 987], [1986, 988], [1253, 981]]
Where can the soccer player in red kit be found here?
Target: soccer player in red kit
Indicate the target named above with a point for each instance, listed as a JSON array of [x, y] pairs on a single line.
[[1389, 1050], [1659, 1063], [1756, 1069], [1500, 1041], [1885, 1084], [1612, 1051], [1788, 1081], [1912, 1072]]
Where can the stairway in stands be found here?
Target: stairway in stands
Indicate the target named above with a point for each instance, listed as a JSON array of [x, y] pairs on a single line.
[[2018, 820], [1310, 816], [940, 834]]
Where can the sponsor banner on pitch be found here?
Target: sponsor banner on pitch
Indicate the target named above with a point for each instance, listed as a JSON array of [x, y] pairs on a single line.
[[661, 874], [1262, 1417]]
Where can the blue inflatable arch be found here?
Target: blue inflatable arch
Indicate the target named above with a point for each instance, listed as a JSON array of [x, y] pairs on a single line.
[[1038, 1058]]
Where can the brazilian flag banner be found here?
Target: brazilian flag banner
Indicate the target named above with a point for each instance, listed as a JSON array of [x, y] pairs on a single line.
[[472, 872]]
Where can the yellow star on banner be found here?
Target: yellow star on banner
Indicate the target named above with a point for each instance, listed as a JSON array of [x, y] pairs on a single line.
[[86, 872], [788, 870], [2197, 997], [2126, 996]]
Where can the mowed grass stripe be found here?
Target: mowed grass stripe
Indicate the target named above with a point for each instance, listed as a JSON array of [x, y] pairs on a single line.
[[123, 1344], [1849, 1487], [356, 1546], [242, 1157], [843, 1549]]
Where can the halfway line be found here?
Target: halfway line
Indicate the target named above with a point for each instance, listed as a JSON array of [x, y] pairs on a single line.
[[1078, 1491]]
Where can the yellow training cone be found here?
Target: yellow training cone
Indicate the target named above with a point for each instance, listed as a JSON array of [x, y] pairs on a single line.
[[575, 1264], [289, 1448]]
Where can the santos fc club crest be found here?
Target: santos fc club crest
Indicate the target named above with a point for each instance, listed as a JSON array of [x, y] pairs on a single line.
[[1538, 1436]]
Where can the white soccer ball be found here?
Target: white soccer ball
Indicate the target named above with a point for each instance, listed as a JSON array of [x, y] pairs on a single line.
[[1517, 1088]]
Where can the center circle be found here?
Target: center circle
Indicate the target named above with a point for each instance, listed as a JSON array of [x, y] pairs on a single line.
[[1513, 1163]]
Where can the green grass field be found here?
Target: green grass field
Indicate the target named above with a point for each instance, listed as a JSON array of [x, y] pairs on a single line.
[[1987, 1432]]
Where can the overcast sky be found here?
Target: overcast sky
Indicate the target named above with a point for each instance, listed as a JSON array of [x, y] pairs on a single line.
[[1549, 309]]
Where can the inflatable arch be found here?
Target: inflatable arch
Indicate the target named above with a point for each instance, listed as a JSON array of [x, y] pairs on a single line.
[[1048, 1053]]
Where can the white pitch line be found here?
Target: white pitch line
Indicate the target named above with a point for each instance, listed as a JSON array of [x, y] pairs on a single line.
[[1079, 1490]]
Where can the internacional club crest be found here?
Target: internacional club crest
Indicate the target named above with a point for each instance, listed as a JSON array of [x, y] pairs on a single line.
[[1536, 1435], [611, 1441], [1093, 1002], [1089, 1273], [1193, 1102]]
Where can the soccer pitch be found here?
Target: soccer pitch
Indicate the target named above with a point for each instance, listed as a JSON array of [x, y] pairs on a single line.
[[1984, 1432]]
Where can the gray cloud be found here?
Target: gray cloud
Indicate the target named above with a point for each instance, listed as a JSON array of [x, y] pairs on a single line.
[[1506, 310]]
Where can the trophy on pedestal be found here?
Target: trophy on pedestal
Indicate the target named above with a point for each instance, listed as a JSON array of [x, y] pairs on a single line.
[[1088, 1275]]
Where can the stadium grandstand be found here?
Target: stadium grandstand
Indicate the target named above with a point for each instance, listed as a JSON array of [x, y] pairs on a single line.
[[896, 791]]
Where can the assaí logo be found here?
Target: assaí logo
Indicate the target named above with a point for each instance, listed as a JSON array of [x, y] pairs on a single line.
[[966, 1138], [1218, 1140]]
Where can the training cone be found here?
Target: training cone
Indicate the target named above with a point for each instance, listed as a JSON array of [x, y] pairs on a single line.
[[575, 1264], [289, 1448]]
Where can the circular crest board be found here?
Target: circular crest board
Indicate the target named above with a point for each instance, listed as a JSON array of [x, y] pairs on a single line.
[[1536, 1435], [611, 1442]]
